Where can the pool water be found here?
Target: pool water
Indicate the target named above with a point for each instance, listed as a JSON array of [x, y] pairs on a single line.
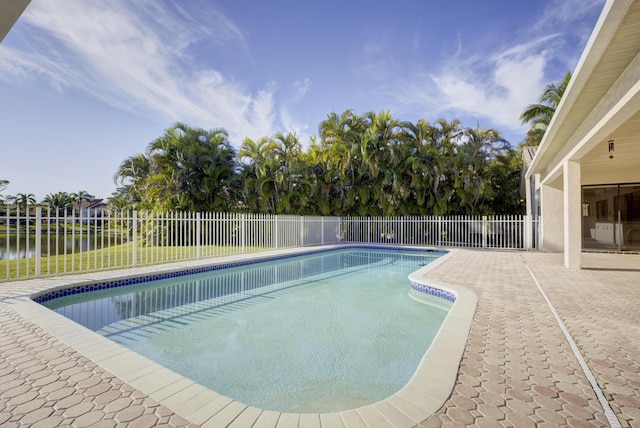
[[321, 333]]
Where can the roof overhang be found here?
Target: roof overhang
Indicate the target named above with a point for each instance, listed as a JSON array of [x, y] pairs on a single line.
[[10, 11]]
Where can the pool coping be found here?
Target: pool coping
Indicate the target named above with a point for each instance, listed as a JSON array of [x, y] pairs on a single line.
[[423, 395]]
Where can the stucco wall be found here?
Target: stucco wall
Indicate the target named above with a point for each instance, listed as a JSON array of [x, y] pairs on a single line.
[[611, 175], [552, 218]]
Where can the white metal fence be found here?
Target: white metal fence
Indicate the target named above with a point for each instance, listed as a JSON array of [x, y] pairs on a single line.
[[507, 232], [45, 243]]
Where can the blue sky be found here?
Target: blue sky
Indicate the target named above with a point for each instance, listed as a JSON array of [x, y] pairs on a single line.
[[85, 84]]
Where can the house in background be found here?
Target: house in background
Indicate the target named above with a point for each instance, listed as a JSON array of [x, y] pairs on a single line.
[[91, 211], [586, 172]]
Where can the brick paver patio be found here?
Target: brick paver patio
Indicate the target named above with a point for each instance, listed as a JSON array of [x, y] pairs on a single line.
[[517, 369]]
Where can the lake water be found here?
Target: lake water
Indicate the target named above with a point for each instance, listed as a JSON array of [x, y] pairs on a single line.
[[25, 248]]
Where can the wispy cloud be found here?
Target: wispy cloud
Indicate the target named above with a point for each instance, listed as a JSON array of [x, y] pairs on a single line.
[[142, 56], [496, 84], [496, 87], [561, 12], [289, 119]]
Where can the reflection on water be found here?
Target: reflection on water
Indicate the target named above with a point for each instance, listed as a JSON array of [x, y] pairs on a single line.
[[51, 246], [314, 334], [179, 300]]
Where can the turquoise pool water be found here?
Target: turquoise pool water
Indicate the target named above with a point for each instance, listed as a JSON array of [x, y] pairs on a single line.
[[319, 333]]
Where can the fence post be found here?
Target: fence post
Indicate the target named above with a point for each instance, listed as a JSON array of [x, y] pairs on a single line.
[[38, 240], [439, 238], [135, 238], [198, 229], [484, 231], [301, 231], [275, 231], [322, 230], [243, 231]]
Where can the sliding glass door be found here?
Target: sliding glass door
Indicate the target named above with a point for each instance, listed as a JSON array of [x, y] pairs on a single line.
[[611, 217]]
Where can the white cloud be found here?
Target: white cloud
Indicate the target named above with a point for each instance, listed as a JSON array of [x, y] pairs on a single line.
[[494, 86], [301, 88], [499, 94], [141, 55], [493, 90]]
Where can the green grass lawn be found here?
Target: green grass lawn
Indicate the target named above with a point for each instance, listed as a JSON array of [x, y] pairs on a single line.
[[113, 257]]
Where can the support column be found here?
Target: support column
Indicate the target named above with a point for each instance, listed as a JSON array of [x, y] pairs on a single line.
[[551, 218], [572, 215]]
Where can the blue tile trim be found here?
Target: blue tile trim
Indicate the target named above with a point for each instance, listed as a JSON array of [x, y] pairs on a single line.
[[433, 291], [47, 296]]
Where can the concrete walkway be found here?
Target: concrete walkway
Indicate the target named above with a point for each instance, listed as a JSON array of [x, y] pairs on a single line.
[[517, 369]]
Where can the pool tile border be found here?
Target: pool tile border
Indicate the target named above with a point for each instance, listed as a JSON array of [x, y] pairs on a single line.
[[423, 395], [433, 291]]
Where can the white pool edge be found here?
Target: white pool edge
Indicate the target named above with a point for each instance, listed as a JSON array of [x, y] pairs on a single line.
[[424, 394]]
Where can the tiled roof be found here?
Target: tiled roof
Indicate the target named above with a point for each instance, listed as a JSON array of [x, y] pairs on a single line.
[[528, 153]]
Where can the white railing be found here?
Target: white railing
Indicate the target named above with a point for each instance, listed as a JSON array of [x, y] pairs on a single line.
[[44, 243], [506, 232]]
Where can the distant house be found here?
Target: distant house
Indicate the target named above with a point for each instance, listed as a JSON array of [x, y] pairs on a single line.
[[96, 208], [585, 174]]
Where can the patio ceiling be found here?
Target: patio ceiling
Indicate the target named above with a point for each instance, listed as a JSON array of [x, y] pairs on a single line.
[[627, 149], [613, 46]]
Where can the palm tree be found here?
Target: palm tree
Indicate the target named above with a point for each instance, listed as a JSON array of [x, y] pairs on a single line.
[[420, 156], [446, 136], [214, 173], [184, 169], [318, 179], [539, 115], [255, 152], [287, 150], [341, 140], [502, 193], [472, 164], [367, 165], [3, 185], [131, 176], [118, 202], [381, 159], [78, 198], [257, 179], [24, 200], [57, 202]]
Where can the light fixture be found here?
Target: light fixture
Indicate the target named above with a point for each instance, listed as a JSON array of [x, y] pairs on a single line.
[[611, 149]]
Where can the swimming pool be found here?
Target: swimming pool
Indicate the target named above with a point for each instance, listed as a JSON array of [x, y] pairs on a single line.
[[344, 319]]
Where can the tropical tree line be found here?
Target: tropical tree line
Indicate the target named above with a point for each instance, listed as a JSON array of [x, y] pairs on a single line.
[[370, 164], [358, 165], [58, 202]]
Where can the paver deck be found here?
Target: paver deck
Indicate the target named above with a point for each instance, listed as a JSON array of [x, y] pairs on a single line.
[[517, 368]]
